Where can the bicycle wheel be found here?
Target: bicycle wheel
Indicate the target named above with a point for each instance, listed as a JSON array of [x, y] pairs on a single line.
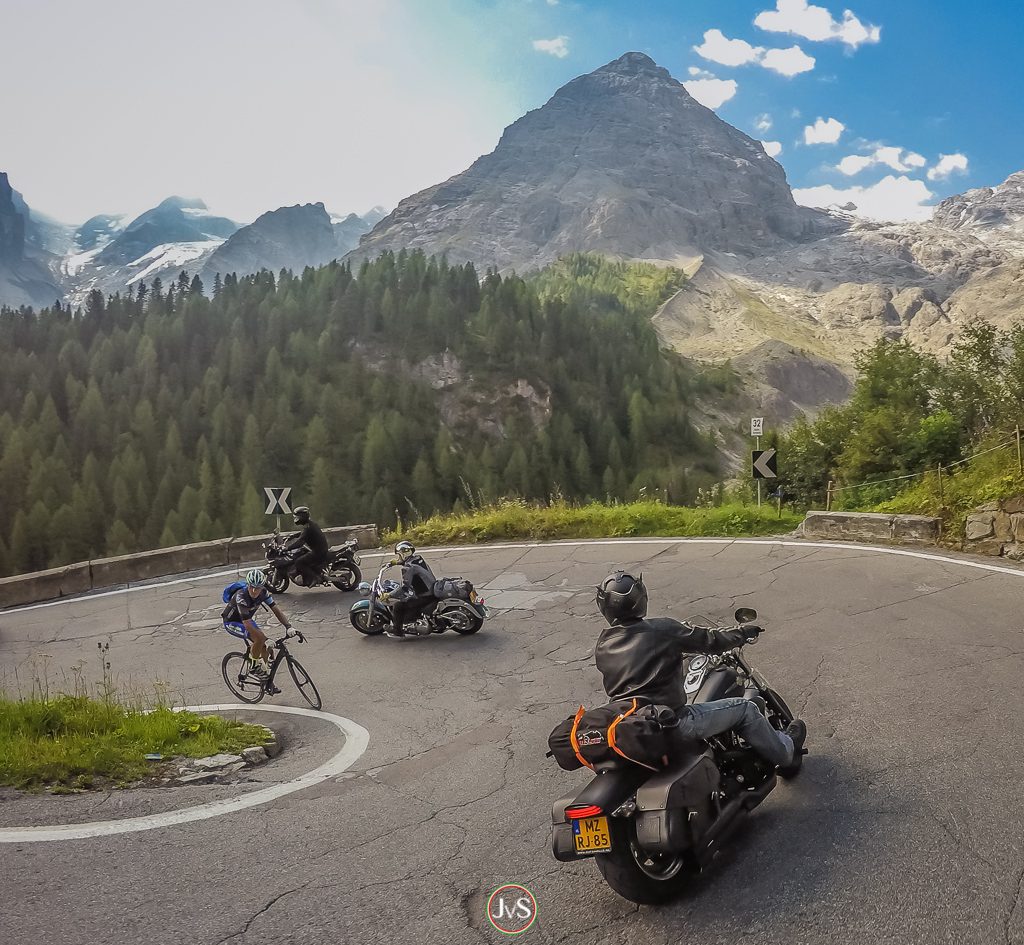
[[245, 687], [306, 685]]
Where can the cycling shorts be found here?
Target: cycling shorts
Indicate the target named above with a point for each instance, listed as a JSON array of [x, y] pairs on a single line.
[[237, 629]]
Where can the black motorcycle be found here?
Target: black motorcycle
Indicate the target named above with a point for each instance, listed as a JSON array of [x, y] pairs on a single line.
[[341, 570], [456, 606], [651, 833]]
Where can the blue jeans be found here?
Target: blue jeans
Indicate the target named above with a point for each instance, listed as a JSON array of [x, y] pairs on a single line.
[[706, 719]]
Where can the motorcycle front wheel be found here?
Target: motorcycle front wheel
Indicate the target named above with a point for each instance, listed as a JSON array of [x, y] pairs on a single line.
[[346, 577], [637, 875], [277, 581], [360, 619]]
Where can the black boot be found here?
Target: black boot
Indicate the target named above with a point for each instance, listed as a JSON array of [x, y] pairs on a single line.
[[797, 731]]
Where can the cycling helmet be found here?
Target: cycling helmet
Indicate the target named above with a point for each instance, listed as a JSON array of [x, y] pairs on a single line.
[[404, 550], [256, 578], [300, 516], [621, 596]]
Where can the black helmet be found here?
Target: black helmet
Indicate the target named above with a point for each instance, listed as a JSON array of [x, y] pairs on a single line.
[[621, 596], [300, 515]]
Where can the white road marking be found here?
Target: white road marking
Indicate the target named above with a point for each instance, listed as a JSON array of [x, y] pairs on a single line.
[[572, 543], [356, 740]]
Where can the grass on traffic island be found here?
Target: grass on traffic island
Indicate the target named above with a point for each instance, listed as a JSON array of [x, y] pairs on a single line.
[[75, 742], [517, 519]]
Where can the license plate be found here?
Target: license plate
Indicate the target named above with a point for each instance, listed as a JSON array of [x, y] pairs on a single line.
[[356, 559], [592, 835], [472, 597]]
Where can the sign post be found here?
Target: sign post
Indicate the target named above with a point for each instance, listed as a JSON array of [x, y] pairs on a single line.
[[757, 431], [764, 464], [277, 501]]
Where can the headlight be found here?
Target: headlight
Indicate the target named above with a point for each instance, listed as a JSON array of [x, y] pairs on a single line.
[[364, 588]]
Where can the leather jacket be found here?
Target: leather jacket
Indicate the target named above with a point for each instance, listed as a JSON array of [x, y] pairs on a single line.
[[313, 537], [417, 576], [643, 658]]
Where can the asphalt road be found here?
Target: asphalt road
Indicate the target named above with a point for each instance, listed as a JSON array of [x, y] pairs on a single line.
[[904, 827]]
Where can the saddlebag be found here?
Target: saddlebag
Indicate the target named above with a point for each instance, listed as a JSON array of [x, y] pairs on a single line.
[[674, 808], [624, 730], [452, 587]]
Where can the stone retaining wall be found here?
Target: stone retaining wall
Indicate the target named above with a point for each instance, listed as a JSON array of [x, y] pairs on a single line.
[[133, 569], [872, 526], [997, 528]]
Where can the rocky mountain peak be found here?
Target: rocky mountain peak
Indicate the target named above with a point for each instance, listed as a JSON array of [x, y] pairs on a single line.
[[985, 207], [12, 224], [621, 161]]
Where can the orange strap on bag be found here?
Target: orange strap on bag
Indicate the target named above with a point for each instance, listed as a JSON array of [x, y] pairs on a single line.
[[575, 742], [611, 738]]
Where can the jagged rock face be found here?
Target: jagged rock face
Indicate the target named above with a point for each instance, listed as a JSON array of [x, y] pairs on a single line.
[[12, 225], [622, 161], [288, 238], [985, 207]]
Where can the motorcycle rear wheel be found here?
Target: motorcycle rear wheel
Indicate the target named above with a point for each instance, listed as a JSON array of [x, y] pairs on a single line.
[[461, 620], [348, 576], [637, 875], [277, 581]]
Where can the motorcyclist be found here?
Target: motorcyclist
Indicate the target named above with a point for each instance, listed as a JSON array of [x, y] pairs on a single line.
[[642, 657], [416, 592], [311, 542]]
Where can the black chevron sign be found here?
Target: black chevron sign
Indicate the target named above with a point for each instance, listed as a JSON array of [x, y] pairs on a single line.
[[277, 500], [765, 464]]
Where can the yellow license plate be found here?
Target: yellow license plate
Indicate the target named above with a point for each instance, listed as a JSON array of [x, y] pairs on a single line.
[[592, 835], [472, 597]]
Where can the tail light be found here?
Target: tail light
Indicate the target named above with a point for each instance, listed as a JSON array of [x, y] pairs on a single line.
[[579, 813]]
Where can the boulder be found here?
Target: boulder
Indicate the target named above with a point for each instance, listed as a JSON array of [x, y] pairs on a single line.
[[980, 525]]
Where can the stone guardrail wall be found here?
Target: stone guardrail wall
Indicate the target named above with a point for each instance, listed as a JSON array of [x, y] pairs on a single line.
[[131, 569], [997, 528], [872, 526]]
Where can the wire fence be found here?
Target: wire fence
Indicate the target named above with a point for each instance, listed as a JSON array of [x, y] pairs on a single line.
[[1014, 440]]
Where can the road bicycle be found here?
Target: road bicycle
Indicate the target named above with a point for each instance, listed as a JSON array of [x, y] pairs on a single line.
[[249, 687]]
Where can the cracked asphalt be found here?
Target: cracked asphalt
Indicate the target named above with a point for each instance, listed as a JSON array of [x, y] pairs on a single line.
[[904, 827]]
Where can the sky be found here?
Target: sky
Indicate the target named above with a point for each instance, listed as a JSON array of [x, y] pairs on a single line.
[[112, 105]]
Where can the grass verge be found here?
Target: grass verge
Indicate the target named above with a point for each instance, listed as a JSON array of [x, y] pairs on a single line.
[[515, 518], [78, 741]]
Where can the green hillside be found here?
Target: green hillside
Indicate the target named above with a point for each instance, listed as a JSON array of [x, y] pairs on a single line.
[[406, 388]]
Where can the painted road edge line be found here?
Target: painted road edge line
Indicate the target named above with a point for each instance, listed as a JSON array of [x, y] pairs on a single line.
[[571, 543], [356, 740]]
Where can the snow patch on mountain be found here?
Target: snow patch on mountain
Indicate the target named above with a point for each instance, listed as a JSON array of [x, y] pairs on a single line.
[[171, 256]]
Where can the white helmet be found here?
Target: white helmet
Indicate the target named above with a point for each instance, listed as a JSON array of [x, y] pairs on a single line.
[[256, 577], [404, 549]]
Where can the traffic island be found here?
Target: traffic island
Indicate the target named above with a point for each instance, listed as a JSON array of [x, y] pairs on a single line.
[[72, 743]]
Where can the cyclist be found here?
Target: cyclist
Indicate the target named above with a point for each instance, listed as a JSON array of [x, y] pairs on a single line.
[[239, 619]]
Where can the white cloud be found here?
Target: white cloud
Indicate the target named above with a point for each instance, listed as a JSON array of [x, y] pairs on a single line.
[[788, 62], [717, 47], [552, 3], [948, 164], [816, 23], [854, 164], [896, 158], [711, 92], [559, 46], [728, 52], [892, 198], [763, 122], [824, 132], [772, 148], [700, 73]]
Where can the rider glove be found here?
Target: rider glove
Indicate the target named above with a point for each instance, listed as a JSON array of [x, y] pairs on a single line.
[[750, 631], [290, 631]]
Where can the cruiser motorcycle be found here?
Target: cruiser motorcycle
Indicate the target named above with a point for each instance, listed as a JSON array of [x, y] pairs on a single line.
[[651, 833], [342, 569], [457, 606]]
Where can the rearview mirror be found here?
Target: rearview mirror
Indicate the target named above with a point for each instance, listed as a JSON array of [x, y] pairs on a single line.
[[745, 615]]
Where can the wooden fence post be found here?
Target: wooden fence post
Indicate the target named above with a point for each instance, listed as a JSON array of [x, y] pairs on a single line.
[[1020, 461], [939, 471], [828, 497]]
